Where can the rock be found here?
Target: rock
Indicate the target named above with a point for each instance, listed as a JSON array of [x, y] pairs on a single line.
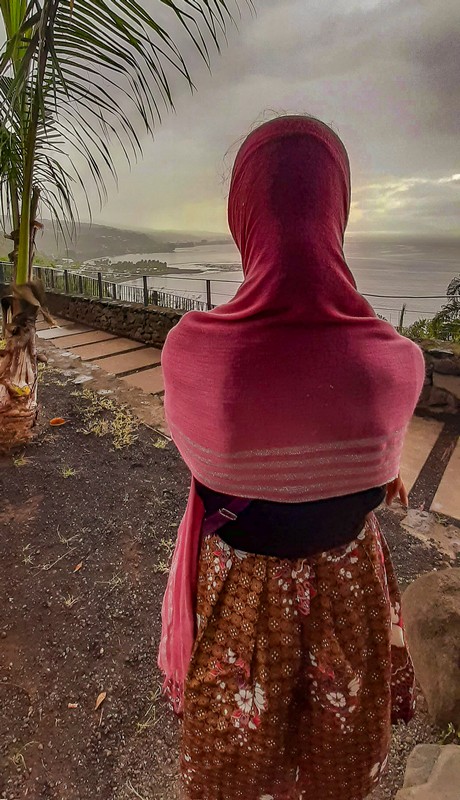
[[442, 399], [420, 764], [83, 379], [449, 383], [431, 609], [447, 366], [424, 399], [433, 773], [439, 352]]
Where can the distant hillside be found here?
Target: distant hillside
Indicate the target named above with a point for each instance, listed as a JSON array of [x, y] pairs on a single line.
[[100, 241], [104, 241]]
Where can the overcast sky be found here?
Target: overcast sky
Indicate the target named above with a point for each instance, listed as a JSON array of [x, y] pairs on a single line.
[[384, 73]]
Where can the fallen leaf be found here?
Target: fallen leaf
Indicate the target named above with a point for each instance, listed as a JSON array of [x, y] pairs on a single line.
[[20, 391], [100, 700], [72, 705], [57, 421], [79, 566]]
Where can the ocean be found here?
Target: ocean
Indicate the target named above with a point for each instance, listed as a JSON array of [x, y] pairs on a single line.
[[414, 271]]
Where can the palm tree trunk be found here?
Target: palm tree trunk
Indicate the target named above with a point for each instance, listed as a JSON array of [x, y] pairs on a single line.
[[18, 384], [18, 360]]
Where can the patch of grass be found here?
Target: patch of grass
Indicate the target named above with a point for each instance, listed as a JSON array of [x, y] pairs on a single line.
[[102, 416], [440, 519], [115, 582], [21, 460], [2, 344], [163, 565], [68, 472], [41, 369], [124, 426], [52, 376], [26, 555], [18, 758], [51, 564], [69, 601], [150, 718], [134, 791], [451, 735], [66, 540], [160, 444]]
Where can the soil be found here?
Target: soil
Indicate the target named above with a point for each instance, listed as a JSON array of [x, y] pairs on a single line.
[[87, 532], [68, 634]]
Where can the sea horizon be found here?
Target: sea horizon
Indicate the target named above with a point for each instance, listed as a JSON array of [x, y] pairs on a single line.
[[411, 269]]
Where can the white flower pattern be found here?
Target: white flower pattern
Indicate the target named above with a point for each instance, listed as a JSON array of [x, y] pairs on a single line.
[[243, 699], [336, 699]]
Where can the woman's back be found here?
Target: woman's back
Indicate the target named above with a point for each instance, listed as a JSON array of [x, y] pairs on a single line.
[[288, 660]]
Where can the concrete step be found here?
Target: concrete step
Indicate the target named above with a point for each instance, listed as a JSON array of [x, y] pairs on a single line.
[[79, 339], [117, 346], [447, 497], [59, 333], [433, 773], [420, 440], [130, 362], [149, 381]]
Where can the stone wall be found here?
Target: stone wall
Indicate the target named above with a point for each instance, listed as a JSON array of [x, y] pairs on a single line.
[[148, 324], [441, 393], [151, 325]]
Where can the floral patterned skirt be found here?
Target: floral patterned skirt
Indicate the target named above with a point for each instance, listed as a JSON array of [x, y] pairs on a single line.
[[298, 669]]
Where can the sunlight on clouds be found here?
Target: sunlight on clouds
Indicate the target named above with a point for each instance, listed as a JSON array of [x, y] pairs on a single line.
[[195, 216], [434, 201]]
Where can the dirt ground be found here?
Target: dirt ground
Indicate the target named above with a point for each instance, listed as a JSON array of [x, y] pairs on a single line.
[[88, 516]]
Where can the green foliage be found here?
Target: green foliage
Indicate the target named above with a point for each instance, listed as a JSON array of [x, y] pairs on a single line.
[[75, 76], [445, 325], [450, 735], [401, 318], [43, 261]]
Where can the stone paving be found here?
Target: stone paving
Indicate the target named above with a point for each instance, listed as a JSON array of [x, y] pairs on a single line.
[[133, 362], [139, 366]]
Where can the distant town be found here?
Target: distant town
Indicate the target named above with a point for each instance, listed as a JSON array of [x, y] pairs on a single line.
[[102, 241]]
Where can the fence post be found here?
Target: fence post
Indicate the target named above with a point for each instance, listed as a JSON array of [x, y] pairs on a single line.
[[80, 284], [208, 295], [99, 283], [146, 290], [114, 291], [51, 271], [155, 298], [66, 281]]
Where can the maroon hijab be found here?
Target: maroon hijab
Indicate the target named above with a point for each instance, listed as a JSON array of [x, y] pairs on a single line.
[[295, 390]]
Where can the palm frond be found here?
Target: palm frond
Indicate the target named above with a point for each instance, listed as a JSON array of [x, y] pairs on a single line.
[[454, 287], [87, 73]]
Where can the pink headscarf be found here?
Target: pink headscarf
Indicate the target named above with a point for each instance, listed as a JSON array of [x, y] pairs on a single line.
[[294, 390]]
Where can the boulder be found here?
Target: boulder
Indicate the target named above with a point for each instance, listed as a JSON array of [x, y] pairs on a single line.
[[450, 383], [447, 366], [431, 609], [440, 352], [433, 773]]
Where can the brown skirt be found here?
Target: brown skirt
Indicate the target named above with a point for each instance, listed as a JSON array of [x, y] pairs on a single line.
[[298, 669]]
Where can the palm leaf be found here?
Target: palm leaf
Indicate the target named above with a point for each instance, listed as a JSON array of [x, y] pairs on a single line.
[[454, 287], [78, 76]]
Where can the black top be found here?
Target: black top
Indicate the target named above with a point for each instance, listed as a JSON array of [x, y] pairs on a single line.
[[294, 530]]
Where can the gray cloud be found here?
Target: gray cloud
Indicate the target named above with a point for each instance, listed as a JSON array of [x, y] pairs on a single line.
[[384, 73]]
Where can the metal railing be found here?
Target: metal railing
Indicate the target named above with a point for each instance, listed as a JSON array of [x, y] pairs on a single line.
[[138, 291], [70, 282]]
